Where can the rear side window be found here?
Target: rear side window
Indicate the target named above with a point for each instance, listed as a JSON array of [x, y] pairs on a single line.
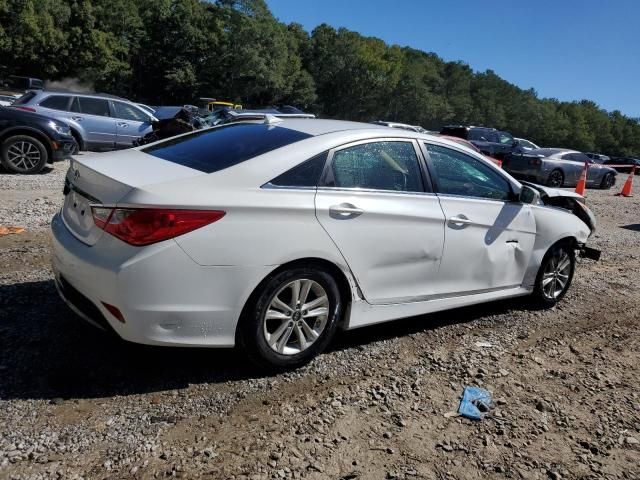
[[56, 102], [90, 106], [307, 174], [377, 166], [223, 147]]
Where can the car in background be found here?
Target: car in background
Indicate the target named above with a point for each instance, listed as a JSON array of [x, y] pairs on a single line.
[[6, 100], [624, 161], [15, 85], [525, 144], [470, 145], [405, 126], [272, 233], [490, 141], [98, 121], [558, 167], [29, 141], [597, 157]]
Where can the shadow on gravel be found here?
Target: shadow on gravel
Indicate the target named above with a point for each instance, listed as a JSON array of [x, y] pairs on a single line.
[[46, 352], [634, 226]]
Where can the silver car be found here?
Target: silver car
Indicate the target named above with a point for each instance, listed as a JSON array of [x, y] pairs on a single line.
[[558, 167], [98, 121]]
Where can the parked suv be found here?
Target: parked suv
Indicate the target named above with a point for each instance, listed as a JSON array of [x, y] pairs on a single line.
[[492, 142], [29, 141], [98, 121]]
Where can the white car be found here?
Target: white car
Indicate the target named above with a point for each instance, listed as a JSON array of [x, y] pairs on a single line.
[[272, 233]]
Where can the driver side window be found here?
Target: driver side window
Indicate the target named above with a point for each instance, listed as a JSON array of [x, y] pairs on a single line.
[[460, 174]]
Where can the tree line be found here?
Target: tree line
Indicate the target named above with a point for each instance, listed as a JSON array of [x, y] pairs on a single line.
[[175, 51]]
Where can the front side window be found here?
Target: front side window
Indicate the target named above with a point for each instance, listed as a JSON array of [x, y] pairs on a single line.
[[460, 174], [505, 138], [377, 166], [91, 106], [56, 102], [128, 112]]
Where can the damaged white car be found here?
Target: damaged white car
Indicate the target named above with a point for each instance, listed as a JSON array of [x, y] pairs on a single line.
[[272, 233]]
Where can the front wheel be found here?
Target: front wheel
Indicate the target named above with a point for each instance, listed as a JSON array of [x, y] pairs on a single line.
[[608, 181], [293, 318], [555, 275], [23, 154]]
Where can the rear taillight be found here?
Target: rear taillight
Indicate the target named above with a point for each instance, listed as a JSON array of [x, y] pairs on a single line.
[[144, 226], [26, 109], [535, 161]]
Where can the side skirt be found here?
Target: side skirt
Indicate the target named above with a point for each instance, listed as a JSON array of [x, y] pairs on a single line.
[[362, 313]]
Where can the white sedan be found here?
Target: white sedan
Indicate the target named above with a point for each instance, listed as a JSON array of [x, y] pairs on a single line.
[[273, 233]]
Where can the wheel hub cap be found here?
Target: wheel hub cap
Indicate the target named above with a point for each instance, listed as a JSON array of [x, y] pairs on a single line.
[[556, 275], [296, 317]]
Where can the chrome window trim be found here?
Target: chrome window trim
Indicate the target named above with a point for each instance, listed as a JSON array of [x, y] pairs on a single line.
[[373, 190]]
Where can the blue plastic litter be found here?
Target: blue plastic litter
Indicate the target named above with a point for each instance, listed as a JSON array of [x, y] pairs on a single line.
[[475, 403]]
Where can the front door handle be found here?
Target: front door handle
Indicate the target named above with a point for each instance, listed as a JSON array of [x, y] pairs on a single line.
[[460, 220], [77, 119], [345, 211], [123, 125]]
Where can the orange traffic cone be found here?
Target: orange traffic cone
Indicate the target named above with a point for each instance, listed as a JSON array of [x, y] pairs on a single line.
[[628, 185], [582, 183]]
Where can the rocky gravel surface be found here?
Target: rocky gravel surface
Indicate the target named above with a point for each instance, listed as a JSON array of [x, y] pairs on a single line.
[[380, 404]]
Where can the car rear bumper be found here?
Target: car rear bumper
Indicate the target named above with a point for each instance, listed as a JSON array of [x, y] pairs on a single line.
[[163, 295]]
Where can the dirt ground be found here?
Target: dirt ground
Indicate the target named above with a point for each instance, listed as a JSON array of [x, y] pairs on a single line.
[[76, 403]]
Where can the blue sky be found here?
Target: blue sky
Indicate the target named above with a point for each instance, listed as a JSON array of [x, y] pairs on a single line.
[[567, 49]]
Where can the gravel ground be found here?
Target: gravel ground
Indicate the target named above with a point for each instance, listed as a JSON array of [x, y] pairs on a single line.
[[76, 403]]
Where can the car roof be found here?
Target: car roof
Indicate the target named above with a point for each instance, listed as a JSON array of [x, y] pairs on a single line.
[[63, 91], [547, 152], [317, 126]]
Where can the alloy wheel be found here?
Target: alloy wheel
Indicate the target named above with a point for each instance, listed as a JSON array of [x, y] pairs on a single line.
[[23, 155], [556, 275], [296, 317], [555, 179]]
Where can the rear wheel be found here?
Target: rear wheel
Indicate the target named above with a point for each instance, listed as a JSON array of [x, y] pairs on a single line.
[[607, 181], [555, 275], [292, 319], [556, 179], [23, 154]]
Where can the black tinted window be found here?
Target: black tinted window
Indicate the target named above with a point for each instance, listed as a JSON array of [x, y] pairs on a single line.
[[460, 174], [378, 166], [56, 102], [92, 106], [479, 135], [222, 147], [306, 174], [25, 98]]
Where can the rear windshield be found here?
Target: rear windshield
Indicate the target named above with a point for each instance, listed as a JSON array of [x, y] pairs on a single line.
[[25, 98], [225, 146]]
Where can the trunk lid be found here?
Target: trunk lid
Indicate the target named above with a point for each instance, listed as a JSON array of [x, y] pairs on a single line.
[[104, 179]]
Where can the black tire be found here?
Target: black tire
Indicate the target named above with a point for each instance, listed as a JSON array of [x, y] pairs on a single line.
[[252, 330], [78, 147], [608, 181], [556, 179], [23, 154], [543, 295]]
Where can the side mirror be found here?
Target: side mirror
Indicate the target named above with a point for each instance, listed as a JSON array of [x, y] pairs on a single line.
[[529, 195], [152, 119]]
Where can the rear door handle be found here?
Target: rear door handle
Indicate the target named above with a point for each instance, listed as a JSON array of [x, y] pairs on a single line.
[[460, 220], [345, 211]]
